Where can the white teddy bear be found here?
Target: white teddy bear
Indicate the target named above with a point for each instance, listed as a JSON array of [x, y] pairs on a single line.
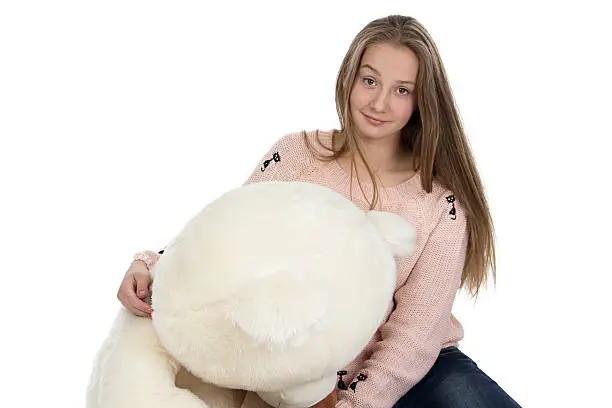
[[262, 297]]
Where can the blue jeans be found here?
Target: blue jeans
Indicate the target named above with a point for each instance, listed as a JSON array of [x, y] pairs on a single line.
[[455, 381]]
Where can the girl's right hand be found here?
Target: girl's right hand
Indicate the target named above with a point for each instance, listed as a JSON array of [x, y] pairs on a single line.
[[135, 288]]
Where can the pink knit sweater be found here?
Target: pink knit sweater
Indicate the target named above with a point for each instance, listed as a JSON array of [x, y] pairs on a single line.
[[407, 344]]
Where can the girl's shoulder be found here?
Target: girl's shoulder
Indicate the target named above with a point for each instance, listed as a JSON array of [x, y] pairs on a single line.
[[313, 141], [291, 155], [429, 207], [442, 204]]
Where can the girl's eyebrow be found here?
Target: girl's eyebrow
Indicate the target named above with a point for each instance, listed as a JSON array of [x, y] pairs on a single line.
[[378, 73]]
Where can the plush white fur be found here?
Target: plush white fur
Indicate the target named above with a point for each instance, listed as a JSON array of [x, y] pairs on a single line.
[[271, 288]]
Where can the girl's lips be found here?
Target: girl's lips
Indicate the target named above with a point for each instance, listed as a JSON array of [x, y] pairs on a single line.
[[372, 120]]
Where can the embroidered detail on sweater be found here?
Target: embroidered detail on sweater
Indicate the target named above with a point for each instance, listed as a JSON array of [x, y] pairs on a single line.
[[266, 163], [453, 212], [341, 383], [361, 377]]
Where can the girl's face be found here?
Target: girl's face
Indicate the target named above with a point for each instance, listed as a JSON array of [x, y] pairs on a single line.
[[382, 99]]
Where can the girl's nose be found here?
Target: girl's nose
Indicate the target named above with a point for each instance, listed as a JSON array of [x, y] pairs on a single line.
[[379, 101]]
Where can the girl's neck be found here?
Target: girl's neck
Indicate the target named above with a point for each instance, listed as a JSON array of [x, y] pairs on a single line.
[[384, 156], [390, 163]]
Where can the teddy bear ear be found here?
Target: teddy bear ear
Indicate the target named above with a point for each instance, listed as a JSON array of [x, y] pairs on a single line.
[[279, 310], [395, 230]]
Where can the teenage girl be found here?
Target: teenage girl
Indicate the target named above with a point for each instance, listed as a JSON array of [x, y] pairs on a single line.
[[400, 148]]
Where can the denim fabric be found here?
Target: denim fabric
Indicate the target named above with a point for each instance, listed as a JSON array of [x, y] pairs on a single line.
[[455, 381]]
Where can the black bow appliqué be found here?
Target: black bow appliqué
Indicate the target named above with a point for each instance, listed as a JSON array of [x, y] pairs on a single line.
[[453, 212], [361, 377], [342, 385], [266, 163]]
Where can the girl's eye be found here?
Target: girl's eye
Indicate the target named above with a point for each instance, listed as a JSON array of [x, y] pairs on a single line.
[[369, 81], [404, 91]]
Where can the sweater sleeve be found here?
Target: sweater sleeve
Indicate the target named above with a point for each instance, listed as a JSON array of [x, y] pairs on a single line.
[[412, 337], [283, 161]]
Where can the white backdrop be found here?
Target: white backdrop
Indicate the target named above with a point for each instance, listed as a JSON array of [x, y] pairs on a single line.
[[120, 119]]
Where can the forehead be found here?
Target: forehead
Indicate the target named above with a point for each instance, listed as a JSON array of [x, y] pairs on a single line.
[[392, 61]]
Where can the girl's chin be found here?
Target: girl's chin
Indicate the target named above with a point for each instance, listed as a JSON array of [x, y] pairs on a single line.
[[375, 132]]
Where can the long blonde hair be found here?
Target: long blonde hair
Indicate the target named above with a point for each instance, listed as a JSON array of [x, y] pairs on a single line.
[[434, 134]]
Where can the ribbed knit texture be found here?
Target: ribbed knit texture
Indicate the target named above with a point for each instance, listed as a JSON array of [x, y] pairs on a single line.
[[420, 322]]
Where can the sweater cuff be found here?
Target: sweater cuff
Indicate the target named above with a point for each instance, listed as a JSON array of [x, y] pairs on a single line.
[[150, 258], [343, 403], [345, 400]]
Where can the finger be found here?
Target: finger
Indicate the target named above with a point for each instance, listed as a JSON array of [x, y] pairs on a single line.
[[138, 304], [130, 301], [142, 281], [137, 312]]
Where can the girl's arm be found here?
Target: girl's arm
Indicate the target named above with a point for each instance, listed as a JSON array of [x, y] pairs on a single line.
[[413, 335]]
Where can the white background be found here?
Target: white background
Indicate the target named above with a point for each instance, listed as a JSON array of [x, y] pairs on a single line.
[[120, 119]]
